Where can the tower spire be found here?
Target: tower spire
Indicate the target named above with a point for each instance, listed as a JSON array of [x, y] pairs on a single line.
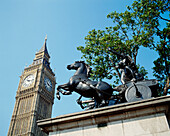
[[44, 47], [46, 38], [42, 55]]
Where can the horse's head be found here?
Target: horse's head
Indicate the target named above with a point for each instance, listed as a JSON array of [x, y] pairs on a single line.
[[80, 66], [75, 65]]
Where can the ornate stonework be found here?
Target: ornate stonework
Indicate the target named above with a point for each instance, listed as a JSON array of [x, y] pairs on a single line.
[[35, 97]]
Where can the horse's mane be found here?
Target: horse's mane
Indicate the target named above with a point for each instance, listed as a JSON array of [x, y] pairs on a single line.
[[87, 67]]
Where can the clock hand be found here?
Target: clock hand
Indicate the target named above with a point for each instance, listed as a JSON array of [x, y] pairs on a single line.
[[49, 84], [29, 80]]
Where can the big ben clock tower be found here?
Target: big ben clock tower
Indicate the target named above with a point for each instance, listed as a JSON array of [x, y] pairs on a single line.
[[35, 96]]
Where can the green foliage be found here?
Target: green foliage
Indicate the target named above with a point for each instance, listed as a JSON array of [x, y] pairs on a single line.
[[142, 71], [138, 26], [162, 64], [151, 12]]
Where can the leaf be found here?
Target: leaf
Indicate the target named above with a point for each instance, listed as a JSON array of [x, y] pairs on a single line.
[[140, 25]]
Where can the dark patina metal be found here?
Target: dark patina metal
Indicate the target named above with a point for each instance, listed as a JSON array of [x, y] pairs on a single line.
[[134, 87], [79, 82]]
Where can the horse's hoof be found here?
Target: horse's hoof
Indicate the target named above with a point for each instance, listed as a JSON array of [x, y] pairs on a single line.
[[79, 102], [58, 97], [103, 104]]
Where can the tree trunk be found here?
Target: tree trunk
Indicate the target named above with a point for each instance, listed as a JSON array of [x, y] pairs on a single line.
[[167, 86]]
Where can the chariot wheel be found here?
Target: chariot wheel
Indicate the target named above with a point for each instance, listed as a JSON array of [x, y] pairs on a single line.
[[137, 92]]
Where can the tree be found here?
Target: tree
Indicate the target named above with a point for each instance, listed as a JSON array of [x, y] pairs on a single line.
[[162, 64], [151, 12], [137, 26]]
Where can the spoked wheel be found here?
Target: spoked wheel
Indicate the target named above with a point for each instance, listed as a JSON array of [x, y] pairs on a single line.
[[137, 92]]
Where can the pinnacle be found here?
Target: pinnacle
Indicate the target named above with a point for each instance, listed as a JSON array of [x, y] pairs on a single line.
[[44, 47]]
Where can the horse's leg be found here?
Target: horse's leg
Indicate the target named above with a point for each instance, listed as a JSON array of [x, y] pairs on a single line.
[[102, 101], [58, 94], [97, 96], [80, 102], [104, 92], [97, 100], [65, 87]]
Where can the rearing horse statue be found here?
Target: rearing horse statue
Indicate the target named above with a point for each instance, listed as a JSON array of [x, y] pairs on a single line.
[[98, 90]]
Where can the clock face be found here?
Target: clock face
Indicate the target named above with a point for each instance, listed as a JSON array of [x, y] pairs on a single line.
[[48, 84], [28, 80]]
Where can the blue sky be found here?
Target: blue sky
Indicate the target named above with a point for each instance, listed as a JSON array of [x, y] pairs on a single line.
[[23, 27]]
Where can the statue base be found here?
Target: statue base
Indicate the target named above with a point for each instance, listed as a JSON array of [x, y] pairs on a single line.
[[141, 118]]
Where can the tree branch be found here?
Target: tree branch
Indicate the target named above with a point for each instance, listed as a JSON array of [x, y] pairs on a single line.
[[164, 18]]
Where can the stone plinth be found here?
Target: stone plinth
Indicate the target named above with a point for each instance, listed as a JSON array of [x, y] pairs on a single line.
[[149, 117]]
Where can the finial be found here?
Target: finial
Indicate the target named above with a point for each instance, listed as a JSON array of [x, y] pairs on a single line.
[[44, 48], [46, 37]]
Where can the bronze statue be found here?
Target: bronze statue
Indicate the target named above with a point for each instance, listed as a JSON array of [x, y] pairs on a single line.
[[128, 69], [134, 87], [79, 82]]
